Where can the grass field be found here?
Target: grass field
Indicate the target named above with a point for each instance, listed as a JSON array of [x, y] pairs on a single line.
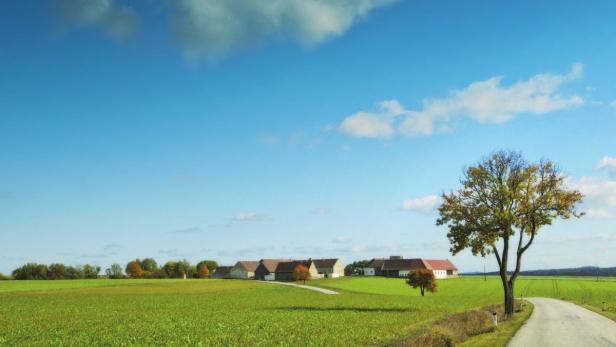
[[232, 312]]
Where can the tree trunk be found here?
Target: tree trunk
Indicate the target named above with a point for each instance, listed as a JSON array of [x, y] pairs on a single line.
[[509, 299], [421, 288]]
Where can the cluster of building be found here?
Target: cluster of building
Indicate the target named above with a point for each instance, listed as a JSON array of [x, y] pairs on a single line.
[[396, 266], [282, 269]]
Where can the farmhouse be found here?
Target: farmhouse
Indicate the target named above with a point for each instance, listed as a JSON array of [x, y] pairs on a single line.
[[222, 272], [329, 268], [396, 266], [284, 270], [266, 270], [442, 268], [244, 269]]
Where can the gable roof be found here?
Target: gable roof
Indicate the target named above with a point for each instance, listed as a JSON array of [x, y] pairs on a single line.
[[271, 264], [289, 266], [405, 264], [377, 263], [223, 270], [247, 265], [440, 264], [323, 263]]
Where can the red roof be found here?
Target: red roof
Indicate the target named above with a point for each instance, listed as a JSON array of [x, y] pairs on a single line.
[[438, 264]]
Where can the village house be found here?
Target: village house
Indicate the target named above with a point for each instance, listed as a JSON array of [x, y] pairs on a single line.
[[329, 268], [266, 270], [442, 268], [244, 269], [222, 272], [282, 269], [396, 266]]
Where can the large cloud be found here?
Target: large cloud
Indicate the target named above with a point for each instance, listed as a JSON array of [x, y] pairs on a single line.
[[215, 28], [118, 21], [485, 102]]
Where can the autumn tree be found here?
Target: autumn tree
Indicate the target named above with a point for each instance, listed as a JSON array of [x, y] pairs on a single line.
[[203, 272], [134, 269], [301, 273], [503, 203], [422, 279], [210, 264]]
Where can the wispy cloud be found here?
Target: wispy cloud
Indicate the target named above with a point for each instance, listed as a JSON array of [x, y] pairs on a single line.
[[188, 230], [341, 239], [484, 102], [214, 29], [321, 211], [426, 204], [258, 252], [250, 217], [607, 163], [120, 22]]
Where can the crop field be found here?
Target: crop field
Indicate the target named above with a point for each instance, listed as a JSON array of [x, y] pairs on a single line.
[[368, 311]]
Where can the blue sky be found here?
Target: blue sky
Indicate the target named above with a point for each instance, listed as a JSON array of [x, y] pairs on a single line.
[[242, 130]]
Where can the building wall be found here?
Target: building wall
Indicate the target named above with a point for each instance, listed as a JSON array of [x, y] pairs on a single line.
[[261, 273], [369, 271], [238, 272], [338, 270], [440, 274]]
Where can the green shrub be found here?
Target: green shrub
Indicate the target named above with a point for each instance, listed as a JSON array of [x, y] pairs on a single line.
[[4, 277]]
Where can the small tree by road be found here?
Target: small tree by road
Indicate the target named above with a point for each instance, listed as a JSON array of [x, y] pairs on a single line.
[[301, 273], [422, 279], [503, 197]]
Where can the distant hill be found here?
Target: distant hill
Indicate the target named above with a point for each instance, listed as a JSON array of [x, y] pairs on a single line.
[[578, 271]]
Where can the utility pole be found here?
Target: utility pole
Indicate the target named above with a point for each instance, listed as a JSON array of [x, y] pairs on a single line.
[[485, 278], [597, 273]]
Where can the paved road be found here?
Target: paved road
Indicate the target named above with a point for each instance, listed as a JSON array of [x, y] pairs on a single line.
[[316, 289], [563, 324]]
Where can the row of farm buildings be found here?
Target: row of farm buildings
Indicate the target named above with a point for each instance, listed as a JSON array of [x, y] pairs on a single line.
[[282, 269]]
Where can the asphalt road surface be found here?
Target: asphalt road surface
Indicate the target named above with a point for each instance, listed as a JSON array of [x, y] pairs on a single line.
[[560, 323]]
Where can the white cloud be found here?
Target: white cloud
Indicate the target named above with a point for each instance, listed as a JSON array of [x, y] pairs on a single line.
[[249, 217], [118, 21], [599, 196], [426, 204], [607, 163], [216, 28], [341, 239], [373, 124], [484, 101], [613, 104]]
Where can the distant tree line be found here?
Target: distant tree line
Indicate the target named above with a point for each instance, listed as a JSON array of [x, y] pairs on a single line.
[[356, 268], [138, 268], [148, 268], [56, 271]]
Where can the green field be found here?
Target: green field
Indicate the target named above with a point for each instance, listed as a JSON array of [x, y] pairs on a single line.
[[233, 312]]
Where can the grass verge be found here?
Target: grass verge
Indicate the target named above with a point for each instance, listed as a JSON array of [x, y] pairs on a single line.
[[504, 332], [469, 328]]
